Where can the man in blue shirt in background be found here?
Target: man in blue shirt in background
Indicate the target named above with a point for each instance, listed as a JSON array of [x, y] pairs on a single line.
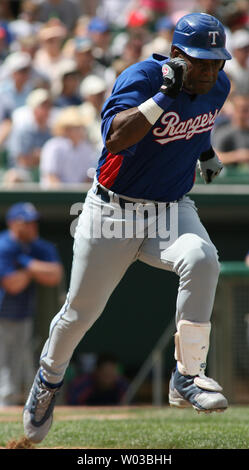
[[25, 259]]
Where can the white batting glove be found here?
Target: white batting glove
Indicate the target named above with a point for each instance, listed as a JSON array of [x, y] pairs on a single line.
[[209, 165]]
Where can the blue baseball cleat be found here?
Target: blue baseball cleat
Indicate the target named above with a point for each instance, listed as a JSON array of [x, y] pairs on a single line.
[[38, 410], [201, 392]]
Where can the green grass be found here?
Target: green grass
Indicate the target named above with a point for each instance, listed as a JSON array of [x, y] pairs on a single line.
[[138, 428]]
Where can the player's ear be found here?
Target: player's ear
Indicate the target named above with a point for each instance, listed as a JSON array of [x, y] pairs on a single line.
[[174, 52]]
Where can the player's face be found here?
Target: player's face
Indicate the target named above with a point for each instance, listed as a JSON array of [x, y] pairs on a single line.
[[202, 74], [25, 232]]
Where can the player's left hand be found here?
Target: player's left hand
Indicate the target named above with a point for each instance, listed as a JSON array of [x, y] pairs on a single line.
[[209, 165]]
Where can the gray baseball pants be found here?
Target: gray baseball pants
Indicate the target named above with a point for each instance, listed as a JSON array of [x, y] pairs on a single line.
[[100, 262]]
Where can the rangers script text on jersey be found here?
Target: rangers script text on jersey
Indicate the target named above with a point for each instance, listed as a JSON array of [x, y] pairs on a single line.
[[161, 167]]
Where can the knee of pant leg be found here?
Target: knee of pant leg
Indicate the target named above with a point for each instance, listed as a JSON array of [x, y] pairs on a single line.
[[81, 314], [201, 261], [211, 260], [76, 321]]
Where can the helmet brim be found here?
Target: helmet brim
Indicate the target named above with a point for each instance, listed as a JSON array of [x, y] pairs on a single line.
[[218, 53]]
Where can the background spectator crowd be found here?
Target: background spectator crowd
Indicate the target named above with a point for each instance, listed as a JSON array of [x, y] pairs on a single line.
[[59, 60]]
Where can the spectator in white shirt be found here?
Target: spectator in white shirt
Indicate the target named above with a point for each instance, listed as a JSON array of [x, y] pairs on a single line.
[[93, 90], [238, 70], [67, 158], [26, 23], [49, 56], [30, 130]]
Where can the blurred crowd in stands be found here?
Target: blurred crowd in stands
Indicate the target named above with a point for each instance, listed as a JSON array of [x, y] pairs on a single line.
[[59, 60]]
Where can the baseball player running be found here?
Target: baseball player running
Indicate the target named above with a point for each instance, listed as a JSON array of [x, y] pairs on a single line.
[[156, 128]]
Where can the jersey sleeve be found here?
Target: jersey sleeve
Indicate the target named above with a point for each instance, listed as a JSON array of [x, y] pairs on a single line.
[[7, 262], [44, 251], [131, 89]]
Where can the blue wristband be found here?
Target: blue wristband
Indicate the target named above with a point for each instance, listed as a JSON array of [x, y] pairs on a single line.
[[162, 100]]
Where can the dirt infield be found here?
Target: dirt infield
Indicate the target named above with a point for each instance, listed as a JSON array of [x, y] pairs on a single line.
[[14, 413]]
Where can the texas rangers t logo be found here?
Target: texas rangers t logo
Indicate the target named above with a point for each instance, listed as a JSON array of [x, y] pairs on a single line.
[[213, 34]]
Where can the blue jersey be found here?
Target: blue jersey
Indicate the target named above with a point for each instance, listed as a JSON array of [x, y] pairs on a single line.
[[13, 256], [161, 166]]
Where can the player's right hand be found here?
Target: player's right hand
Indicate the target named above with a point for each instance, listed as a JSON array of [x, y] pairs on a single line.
[[209, 165], [174, 73]]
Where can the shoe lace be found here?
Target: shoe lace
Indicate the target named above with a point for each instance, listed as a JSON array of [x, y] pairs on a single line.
[[44, 397]]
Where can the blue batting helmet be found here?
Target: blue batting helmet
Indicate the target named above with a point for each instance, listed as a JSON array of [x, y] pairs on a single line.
[[202, 36]]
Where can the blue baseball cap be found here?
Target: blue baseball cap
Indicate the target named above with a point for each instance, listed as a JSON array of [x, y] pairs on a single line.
[[165, 24], [83, 44], [22, 211], [98, 25]]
